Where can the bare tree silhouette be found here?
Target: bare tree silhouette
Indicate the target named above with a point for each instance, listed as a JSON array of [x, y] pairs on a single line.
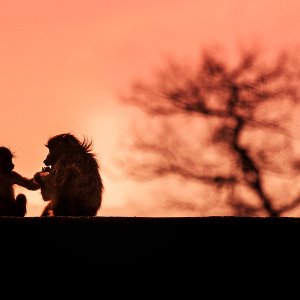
[[244, 110]]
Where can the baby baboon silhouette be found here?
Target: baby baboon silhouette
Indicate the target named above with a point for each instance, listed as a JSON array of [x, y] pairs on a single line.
[[9, 205], [72, 183]]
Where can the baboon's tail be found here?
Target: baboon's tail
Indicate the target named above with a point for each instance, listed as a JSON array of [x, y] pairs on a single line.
[[21, 202]]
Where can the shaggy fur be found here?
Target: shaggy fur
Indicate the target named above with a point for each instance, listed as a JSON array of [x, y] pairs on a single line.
[[9, 205], [73, 185]]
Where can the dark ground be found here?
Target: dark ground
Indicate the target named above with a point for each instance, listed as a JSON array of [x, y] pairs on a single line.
[[223, 256], [95, 241]]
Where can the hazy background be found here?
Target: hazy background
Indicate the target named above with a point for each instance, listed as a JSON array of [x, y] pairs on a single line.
[[64, 63]]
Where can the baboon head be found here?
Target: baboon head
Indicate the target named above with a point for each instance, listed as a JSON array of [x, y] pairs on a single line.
[[62, 144], [6, 164]]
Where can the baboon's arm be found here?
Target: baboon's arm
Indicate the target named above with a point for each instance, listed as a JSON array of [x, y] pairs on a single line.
[[27, 183]]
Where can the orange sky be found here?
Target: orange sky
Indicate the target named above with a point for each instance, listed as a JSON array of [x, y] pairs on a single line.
[[63, 63]]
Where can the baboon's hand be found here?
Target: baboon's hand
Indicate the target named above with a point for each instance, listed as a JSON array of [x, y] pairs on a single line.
[[38, 177]]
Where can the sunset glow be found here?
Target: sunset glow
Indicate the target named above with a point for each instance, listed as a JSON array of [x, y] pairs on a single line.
[[65, 63]]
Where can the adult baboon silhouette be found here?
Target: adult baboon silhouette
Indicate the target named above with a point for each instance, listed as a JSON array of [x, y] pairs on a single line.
[[9, 205], [72, 183]]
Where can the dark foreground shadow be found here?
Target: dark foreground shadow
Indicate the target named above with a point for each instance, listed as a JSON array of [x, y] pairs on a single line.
[[96, 241]]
